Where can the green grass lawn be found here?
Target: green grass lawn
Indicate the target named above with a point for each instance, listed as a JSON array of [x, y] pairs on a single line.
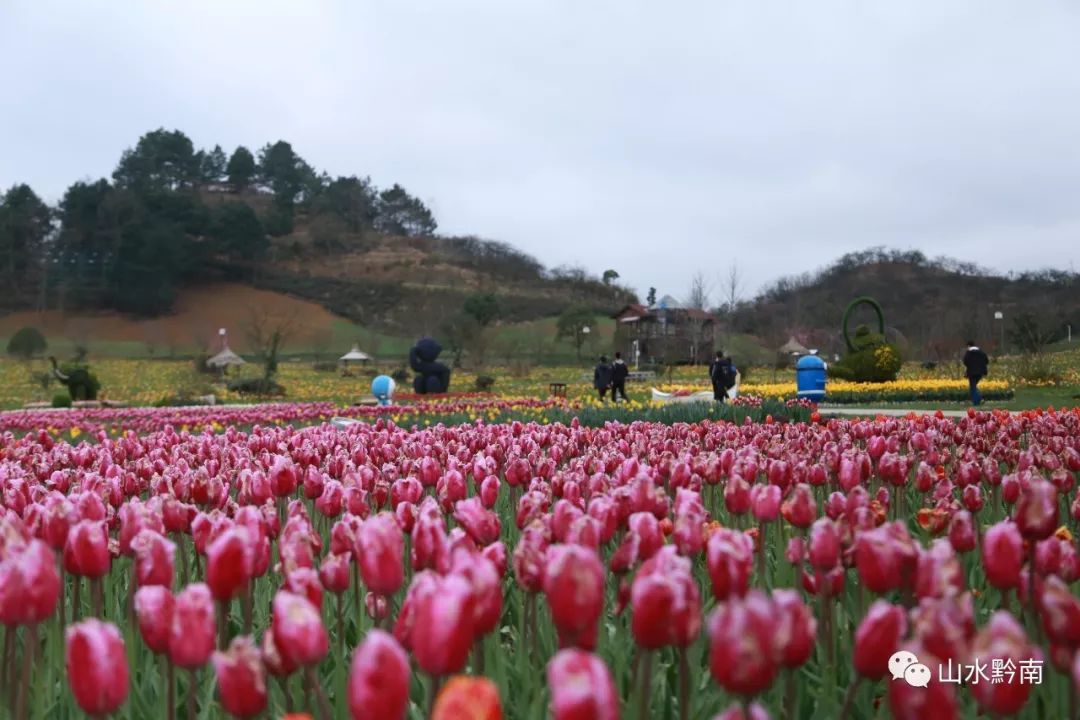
[[1025, 398]]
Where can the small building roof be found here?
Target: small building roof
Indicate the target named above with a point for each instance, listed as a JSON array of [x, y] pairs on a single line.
[[225, 357], [631, 312], [792, 346], [669, 303], [355, 354]]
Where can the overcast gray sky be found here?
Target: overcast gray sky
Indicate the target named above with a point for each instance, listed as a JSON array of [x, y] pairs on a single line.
[[653, 138]]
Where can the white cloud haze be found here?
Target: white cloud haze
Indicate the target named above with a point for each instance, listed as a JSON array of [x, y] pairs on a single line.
[[653, 138]]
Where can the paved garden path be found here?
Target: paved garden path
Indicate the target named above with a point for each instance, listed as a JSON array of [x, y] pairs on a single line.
[[892, 412]]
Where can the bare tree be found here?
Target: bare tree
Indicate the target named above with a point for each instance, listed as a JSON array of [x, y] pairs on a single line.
[[202, 335], [731, 288], [698, 294], [267, 333]]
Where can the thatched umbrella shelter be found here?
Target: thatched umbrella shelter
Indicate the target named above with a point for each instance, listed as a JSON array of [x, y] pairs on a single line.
[[226, 357], [354, 355]]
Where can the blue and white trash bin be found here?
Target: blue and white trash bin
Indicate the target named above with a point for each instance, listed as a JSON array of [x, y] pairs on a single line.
[[810, 378]]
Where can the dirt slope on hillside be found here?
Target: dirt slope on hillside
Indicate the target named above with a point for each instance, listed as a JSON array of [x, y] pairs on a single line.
[[199, 313]]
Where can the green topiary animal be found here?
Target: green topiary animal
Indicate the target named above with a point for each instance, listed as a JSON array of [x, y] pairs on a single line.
[[80, 382]]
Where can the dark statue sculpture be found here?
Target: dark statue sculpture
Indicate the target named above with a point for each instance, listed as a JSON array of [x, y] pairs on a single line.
[[433, 377], [80, 382]]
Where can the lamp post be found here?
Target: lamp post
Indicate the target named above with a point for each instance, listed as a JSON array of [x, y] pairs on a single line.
[[585, 336], [1000, 317]]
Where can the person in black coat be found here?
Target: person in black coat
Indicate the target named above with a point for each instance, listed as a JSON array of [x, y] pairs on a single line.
[[619, 373], [976, 367], [720, 373], [602, 376]]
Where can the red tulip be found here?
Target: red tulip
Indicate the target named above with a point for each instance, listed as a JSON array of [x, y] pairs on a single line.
[[800, 509], [97, 666], [939, 572], [765, 502], [973, 498], [666, 602], [729, 557], [467, 698], [481, 524], [423, 584], [1010, 489], [824, 545], [375, 606], [574, 586], [241, 678], [305, 581], [298, 630], [1003, 555], [1037, 510], [191, 634], [30, 589], [945, 625], [382, 549], [486, 586], [87, 550], [877, 638], [825, 584], [690, 515], [229, 563], [489, 491], [530, 557], [444, 617], [1003, 640], [743, 654], [1060, 612], [1076, 671], [737, 496], [647, 529], [581, 687], [379, 678], [795, 551], [797, 628], [135, 516], [496, 554], [154, 559], [59, 515], [331, 499], [652, 597], [283, 477], [275, 664], [937, 700], [962, 532], [154, 610], [334, 573], [736, 712]]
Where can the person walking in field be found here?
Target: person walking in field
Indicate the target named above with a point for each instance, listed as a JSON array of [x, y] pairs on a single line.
[[602, 376], [619, 373], [722, 375], [976, 366]]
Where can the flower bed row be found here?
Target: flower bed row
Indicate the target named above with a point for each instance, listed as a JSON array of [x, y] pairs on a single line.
[[844, 392], [430, 411], [521, 571]]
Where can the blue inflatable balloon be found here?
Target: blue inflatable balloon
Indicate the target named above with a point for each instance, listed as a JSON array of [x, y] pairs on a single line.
[[382, 388]]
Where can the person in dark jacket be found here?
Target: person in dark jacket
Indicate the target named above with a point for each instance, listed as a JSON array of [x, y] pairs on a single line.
[[721, 373], [976, 366], [602, 376], [619, 372]]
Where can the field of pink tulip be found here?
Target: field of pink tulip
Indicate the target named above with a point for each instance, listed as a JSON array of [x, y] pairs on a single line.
[[914, 568]]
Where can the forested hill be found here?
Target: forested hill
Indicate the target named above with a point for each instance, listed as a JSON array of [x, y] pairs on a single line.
[[172, 216], [931, 305]]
